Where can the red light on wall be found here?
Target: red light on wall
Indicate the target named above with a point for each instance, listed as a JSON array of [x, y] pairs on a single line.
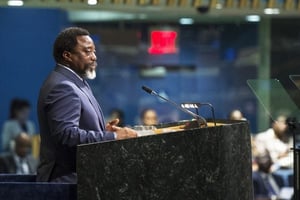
[[163, 42]]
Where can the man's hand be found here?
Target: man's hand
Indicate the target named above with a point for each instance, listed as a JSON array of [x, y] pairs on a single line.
[[122, 133], [110, 125]]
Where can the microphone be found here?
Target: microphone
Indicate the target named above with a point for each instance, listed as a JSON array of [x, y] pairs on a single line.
[[200, 119]]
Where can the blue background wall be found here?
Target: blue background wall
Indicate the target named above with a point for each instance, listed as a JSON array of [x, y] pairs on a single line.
[[26, 37]]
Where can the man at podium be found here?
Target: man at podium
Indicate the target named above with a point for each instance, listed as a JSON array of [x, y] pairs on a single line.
[[68, 112]]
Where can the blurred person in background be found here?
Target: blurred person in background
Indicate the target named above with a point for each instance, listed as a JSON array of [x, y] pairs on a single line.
[[148, 117], [236, 115], [19, 161], [117, 113], [266, 184], [18, 122], [278, 142]]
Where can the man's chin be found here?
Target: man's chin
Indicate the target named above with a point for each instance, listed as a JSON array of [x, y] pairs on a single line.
[[90, 74]]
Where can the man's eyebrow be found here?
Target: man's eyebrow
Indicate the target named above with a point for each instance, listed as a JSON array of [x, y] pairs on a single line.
[[89, 48]]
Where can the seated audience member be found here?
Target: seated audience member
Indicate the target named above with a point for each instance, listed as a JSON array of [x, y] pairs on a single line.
[[266, 185], [18, 122], [236, 115], [277, 142], [148, 117], [20, 161], [117, 114]]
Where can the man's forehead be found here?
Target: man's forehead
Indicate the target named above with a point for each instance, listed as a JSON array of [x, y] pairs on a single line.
[[85, 40]]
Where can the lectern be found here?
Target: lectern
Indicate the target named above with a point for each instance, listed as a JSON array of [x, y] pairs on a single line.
[[212, 163]]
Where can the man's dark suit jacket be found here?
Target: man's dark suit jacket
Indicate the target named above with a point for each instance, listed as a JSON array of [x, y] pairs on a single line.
[[69, 115], [260, 189], [8, 164]]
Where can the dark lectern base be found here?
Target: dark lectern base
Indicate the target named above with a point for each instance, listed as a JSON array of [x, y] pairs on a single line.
[[211, 163]]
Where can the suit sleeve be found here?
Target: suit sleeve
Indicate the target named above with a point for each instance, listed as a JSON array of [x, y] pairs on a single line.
[[63, 109]]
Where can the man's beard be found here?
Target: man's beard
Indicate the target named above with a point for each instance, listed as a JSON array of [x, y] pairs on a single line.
[[90, 73]]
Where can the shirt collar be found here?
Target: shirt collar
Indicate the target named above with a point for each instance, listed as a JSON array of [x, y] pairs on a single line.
[[17, 158], [68, 68]]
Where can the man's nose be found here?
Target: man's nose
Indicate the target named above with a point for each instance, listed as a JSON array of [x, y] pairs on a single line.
[[94, 57]]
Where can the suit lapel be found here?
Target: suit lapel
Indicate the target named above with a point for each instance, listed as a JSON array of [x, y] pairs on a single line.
[[85, 88], [30, 163], [94, 103]]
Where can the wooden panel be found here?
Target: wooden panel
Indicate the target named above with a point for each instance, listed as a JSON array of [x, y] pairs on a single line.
[[36, 139], [196, 3], [288, 4], [229, 3], [213, 3], [271, 4], [255, 4], [242, 3], [170, 2], [182, 3]]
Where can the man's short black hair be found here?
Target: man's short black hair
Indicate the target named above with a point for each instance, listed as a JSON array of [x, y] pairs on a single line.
[[66, 41]]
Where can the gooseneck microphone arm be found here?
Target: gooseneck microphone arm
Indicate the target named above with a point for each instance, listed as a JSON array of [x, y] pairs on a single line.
[[200, 119], [212, 111]]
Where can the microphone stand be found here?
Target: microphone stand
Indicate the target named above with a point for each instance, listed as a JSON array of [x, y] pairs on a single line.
[[201, 121], [197, 106], [212, 111]]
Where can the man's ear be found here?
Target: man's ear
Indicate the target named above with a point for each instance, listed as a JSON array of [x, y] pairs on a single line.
[[67, 56]]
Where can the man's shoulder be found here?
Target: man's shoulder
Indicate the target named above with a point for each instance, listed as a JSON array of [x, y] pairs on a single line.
[[256, 176], [10, 123], [55, 77], [56, 80], [265, 135], [6, 156]]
